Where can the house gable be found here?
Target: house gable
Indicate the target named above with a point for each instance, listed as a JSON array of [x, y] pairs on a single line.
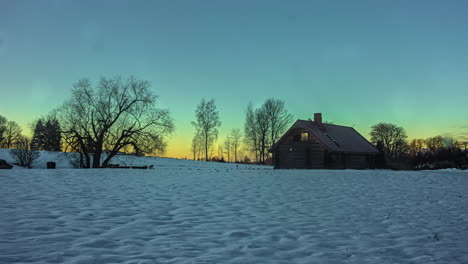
[[297, 128], [299, 149]]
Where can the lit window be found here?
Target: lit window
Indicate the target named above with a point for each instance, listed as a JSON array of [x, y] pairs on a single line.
[[304, 136]]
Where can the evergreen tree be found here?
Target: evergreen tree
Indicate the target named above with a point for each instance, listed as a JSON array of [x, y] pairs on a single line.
[[52, 135], [56, 136], [47, 135], [38, 140]]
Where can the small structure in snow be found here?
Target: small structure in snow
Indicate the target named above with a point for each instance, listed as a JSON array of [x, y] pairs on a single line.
[[51, 165], [5, 165]]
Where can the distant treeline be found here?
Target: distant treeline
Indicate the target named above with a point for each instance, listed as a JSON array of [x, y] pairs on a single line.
[[47, 135], [418, 154], [121, 115]]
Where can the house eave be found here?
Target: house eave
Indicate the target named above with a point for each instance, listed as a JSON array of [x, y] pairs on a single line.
[[356, 153]]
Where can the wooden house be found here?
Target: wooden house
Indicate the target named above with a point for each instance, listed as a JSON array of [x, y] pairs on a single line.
[[315, 145]]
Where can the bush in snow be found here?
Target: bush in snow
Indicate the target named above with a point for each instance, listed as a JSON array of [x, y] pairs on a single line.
[[23, 154]]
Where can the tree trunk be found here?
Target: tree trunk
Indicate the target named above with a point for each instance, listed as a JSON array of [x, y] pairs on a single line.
[[107, 160], [263, 150], [87, 161], [206, 146], [97, 155], [96, 160]]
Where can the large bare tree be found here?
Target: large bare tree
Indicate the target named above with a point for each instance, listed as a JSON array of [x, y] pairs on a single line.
[[116, 114], [207, 123], [391, 137]]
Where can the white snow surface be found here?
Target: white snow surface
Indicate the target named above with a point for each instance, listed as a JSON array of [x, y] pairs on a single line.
[[198, 212], [62, 161]]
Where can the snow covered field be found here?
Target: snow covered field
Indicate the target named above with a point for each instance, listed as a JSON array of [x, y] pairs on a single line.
[[196, 212]]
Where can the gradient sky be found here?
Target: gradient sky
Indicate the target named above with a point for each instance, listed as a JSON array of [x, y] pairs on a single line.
[[357, 62]]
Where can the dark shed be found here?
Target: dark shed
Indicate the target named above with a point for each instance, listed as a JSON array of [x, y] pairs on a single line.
[[315, 145]]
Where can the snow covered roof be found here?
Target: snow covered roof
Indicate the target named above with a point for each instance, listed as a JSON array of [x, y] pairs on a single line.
[[335, 138]]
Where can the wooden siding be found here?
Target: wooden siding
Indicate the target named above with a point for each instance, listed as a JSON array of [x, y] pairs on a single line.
[[356, 161], [349, 161], [291, 154]]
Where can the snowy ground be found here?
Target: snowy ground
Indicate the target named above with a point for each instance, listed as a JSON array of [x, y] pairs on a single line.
[[215, 213], [62, 162]]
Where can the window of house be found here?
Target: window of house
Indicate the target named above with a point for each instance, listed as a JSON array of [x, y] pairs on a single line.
[[304, 137]]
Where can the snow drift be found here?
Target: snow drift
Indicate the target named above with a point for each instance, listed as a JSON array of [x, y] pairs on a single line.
[[198, 212]]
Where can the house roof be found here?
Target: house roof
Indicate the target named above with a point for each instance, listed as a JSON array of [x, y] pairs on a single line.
[[335, 138]]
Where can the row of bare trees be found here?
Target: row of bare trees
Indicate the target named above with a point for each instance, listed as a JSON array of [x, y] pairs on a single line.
[[115, 114], [98, 121], [262, 128], [206, 126], [119, 114], [430, 153], [434, 144], [264, 125], [232, 145], [20, 146]]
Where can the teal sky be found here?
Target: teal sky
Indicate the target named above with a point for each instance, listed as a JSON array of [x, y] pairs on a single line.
[[357, 62]]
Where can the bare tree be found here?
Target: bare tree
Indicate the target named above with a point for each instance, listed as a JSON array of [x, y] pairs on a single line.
[[434, 144], [416, 145], [23, 154], [3, 122], [207, 123], [197, 146], [391, 137], [278, 116], [11, 134], [228, 147], [116, 114], [220, 153], [251, 137], [236, 136], [263, 126], [212, 151]]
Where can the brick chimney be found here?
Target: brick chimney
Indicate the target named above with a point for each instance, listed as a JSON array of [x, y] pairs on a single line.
[[318, 118]]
